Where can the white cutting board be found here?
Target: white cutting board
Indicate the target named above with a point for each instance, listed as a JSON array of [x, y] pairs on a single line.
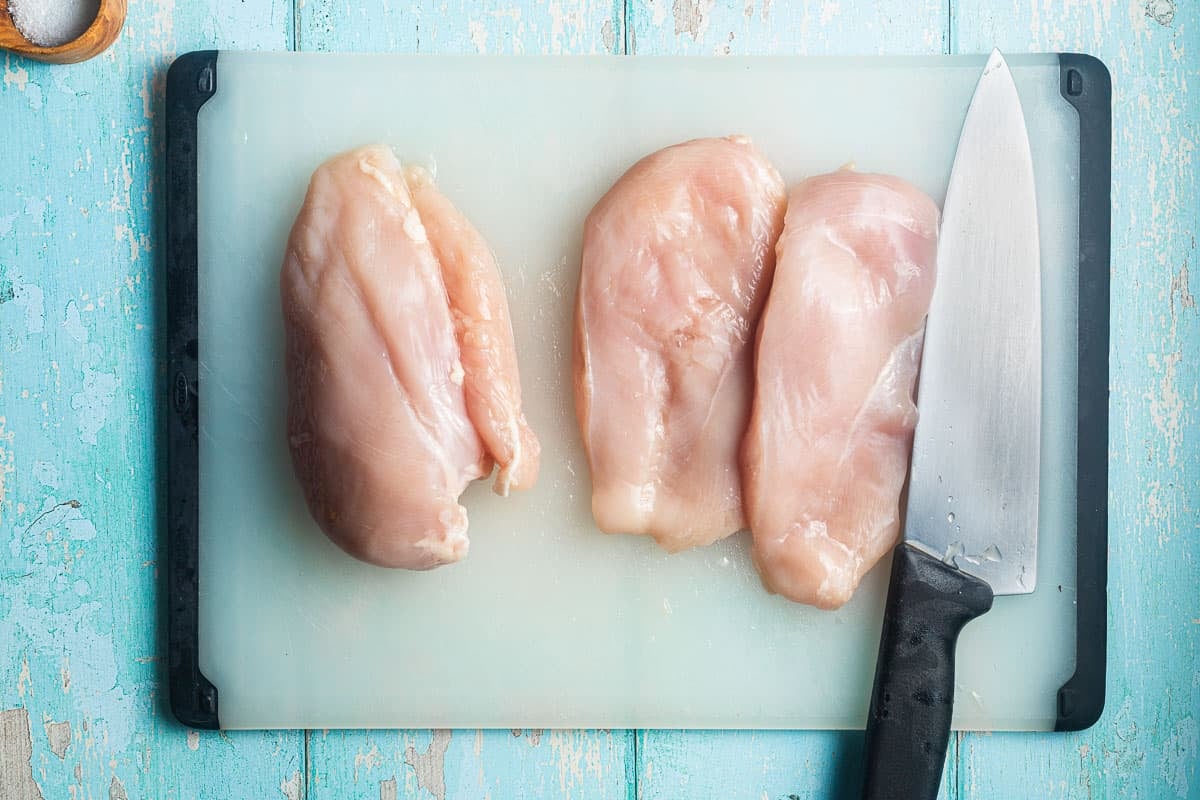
[[549, 623]]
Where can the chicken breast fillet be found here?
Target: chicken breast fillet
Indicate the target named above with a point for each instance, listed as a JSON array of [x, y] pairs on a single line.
[[479, 309], [382, 363], [677, 258], [839, 345]]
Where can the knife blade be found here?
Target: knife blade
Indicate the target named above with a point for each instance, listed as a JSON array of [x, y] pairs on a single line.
[[970, 528]]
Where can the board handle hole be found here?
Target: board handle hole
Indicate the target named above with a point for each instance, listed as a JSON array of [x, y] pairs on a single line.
[[1074, 83]]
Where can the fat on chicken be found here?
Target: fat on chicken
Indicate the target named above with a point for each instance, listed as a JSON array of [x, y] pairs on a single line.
[[401, 369], [839, 345], [677, 259]]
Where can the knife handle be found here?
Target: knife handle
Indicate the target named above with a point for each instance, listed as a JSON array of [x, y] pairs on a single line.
[[908, 726]]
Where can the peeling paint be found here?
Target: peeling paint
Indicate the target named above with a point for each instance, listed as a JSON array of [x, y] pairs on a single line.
[[30, 300], [92, 402], [578, 756], [691, 17], [73, 324], [76, 609], [58, 735], [193, 740], [292, 787], [430, 766], [387, 789], [24, 682], [17, 77], [1181, 298], [1179, 756], [1161, 11], [16, 754], [7, 465], [608, 35], [1166, 408], [1152, 66], [479, 35], [368, 760], [46, 474]]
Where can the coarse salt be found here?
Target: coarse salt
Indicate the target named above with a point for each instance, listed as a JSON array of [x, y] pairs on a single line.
[[49, 23]]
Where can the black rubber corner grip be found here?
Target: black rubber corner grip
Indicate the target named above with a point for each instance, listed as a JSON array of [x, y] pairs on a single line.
[[1085, 83], [191, 81], [912, 703]]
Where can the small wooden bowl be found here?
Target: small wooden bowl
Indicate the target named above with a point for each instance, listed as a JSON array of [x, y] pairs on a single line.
[[95, 40]]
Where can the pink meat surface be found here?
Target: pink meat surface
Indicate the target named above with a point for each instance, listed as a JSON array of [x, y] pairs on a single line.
[[839, 345], [677, 259], [385, 367], [480, 311]]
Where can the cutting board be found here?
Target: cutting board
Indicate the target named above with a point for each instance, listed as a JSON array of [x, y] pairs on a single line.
[[548, 622]]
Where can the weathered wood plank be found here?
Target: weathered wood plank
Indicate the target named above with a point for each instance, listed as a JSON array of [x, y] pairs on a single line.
[[469, 764], [1146, 744], [78, 314], [722, 27], [462, 26], [80, 618]]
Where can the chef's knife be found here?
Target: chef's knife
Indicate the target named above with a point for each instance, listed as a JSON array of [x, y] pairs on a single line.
[[970, 531]]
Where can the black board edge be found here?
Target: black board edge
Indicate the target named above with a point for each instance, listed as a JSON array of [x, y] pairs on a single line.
[[1086, 84], [191, 81]]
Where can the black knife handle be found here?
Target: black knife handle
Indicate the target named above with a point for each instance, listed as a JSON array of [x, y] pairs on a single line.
[[908, 726]]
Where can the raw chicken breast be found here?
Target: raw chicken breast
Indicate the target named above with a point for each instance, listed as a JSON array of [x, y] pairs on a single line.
[[380, 425], [839, 345], [677, 259], [489, 354]]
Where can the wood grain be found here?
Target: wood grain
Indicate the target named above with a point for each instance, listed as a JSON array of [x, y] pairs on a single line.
[[1147, 744], [80, 299], [462, 26], [81, 712]]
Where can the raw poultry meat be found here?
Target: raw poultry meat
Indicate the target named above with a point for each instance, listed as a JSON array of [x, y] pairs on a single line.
[[677, 258], [401, 368], [838, 350], [489, 354]]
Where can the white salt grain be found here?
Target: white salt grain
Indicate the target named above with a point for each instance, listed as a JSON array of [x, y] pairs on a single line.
[[49, 23]]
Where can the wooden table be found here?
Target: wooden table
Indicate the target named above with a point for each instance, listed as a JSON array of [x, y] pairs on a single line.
[[81, 620]]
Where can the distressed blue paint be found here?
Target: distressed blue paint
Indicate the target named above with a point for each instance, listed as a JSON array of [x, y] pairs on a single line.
[[779, 27], [462, 26], [1147, 745], [470, 764], [78, 333], [79, 285]]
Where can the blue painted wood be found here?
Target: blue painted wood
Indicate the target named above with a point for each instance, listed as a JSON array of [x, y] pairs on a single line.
[[1147, 744], [80, 610], [779, 27], [471, 764], [462, 26], [79, 595]]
